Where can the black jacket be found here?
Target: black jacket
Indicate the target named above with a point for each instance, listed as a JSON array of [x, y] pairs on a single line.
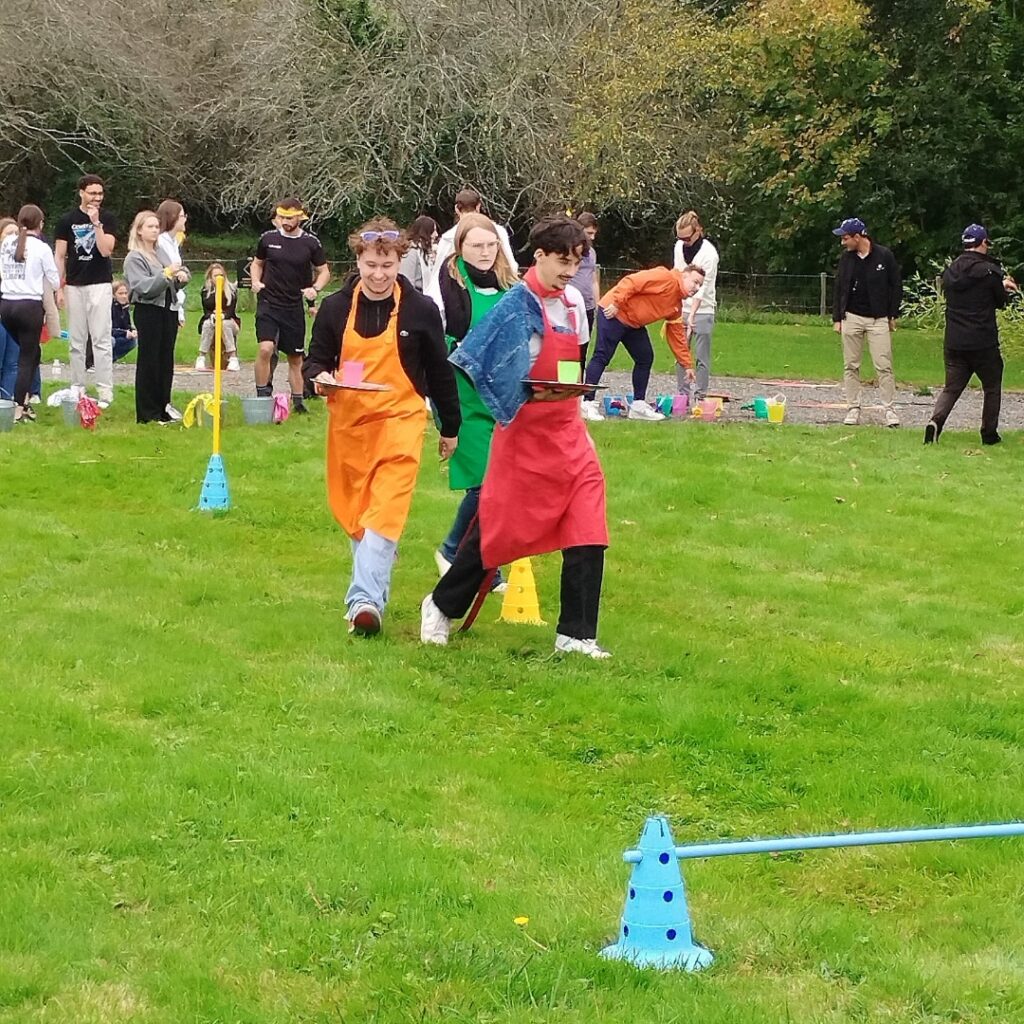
[[973, 284], [884, 283], [230, 309], [421, 347]]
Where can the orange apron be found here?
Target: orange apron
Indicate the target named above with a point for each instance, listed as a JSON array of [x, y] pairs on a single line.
[[374, 438]]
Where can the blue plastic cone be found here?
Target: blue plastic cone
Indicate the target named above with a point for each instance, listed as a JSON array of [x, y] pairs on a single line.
[[214, 495], [655, 928]]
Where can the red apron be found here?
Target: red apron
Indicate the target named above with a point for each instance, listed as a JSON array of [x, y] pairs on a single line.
[[544, 488]]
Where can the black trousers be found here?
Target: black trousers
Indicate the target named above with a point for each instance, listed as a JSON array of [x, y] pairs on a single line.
[[23, 321], [154, 370], [961, 364], [582, 573]]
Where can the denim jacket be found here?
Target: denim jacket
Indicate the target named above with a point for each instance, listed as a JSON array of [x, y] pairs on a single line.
[[495, 354]]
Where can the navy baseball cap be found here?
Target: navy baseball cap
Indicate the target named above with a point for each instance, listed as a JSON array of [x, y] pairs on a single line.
[[973, 236], [851, 226]]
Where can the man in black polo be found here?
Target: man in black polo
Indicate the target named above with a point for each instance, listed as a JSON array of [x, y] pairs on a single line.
[[290, 266], [865, 307], [975, 286]]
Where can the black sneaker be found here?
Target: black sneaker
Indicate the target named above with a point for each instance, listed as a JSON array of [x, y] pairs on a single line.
[[299, 406], [931, 432], [995, 439]]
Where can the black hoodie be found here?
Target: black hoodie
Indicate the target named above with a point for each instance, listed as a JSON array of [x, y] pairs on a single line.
[[421, 347], [973, 284]]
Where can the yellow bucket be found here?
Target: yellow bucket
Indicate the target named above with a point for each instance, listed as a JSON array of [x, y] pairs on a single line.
[[776, 411]]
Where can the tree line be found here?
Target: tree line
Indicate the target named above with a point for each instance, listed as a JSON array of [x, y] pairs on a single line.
[[773, 118]]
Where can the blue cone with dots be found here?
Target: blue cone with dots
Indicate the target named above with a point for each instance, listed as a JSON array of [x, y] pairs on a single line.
[[214, 495], [655, 928]]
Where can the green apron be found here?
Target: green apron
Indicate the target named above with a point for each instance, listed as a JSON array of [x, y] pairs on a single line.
[[469, 462]]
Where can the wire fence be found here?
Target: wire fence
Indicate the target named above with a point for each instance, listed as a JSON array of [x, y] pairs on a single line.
[[736, 293]]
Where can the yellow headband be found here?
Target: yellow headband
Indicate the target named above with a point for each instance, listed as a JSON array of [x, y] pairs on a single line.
[[291, 212]]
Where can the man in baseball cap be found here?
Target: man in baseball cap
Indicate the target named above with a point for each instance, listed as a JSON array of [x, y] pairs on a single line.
[[865, 307], [975, 286]]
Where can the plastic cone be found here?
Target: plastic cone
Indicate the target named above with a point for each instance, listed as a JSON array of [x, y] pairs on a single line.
[[214, 495], [655, 928], [520, 601]]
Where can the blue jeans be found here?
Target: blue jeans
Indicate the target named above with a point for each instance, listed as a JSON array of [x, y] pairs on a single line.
[[463, 517], [9, 353], [373, 557], [612, 332]]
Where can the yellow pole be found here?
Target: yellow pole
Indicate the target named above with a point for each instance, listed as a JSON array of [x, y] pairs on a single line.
[[218, 334]]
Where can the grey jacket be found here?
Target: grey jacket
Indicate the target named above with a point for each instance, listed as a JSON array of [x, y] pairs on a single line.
[[147, 285]]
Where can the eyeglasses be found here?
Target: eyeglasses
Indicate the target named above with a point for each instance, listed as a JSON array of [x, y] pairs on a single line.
[[379, 236]]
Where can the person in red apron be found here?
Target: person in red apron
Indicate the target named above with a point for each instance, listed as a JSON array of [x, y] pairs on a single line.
[[544, 488], [374, 438]]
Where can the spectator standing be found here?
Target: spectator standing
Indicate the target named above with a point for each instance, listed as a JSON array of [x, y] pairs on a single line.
[[976, 286], [85, 240], [468, 200], [865, 307], [25, 263], [173, 218], [694, 249], [8, 346], [152, 286], [417, 264], [588, 279]]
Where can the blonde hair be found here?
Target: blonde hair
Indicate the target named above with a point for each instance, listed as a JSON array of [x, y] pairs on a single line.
[[208, 285], [505, 274], [688, 220], [134, 243]]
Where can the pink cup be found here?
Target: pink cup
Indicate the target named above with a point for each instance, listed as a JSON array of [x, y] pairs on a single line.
[[352, 372], [679, 404]]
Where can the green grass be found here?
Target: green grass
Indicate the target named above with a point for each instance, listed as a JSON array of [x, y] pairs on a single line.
[[218, 808]]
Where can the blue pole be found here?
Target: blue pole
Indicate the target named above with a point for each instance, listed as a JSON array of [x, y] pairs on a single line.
[[785, 845]]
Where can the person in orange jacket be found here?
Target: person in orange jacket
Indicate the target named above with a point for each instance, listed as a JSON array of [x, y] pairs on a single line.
[[627, 310]]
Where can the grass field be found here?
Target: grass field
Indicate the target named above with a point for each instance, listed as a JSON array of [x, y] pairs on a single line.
[[217, 808]]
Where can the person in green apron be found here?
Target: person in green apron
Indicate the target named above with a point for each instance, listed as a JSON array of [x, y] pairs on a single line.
[[465, 289]]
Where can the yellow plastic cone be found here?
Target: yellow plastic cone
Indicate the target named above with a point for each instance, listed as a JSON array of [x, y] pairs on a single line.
[[520, 601]]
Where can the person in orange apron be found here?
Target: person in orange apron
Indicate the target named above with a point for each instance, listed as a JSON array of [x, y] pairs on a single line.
[[544, 488], [374, 438]]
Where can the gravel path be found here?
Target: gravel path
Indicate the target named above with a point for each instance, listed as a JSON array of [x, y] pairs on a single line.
[[807, 402]]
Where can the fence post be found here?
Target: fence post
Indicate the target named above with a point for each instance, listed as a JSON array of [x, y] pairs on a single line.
[[822, 301]]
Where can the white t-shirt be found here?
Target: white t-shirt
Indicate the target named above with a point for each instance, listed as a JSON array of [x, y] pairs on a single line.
[[24, 280], [446, 246], [558, 316], [707, 260], [167, 247]]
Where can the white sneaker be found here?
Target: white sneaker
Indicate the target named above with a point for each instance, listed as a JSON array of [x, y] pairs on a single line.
[[233, 365], [852, 418], [34, 399], [570, 645], [103, 403], [434, 624], [364, 620], [591, 411], [200, 363], [891, 419], [640, 410], [172, 412], [442, 563]]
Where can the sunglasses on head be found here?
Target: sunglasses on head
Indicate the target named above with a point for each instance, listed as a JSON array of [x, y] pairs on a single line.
[[379, 236]]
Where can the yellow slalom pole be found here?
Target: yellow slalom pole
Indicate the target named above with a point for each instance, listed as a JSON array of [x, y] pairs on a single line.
[[218, 334], [214, 496]]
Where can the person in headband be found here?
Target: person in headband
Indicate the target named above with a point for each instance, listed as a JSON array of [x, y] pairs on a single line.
[[290, 267]]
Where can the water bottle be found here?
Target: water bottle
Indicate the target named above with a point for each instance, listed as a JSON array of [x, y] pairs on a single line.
[[55, 370]]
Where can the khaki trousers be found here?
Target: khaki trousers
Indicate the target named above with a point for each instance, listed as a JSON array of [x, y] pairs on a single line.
[[89, 308], [874, 330]]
